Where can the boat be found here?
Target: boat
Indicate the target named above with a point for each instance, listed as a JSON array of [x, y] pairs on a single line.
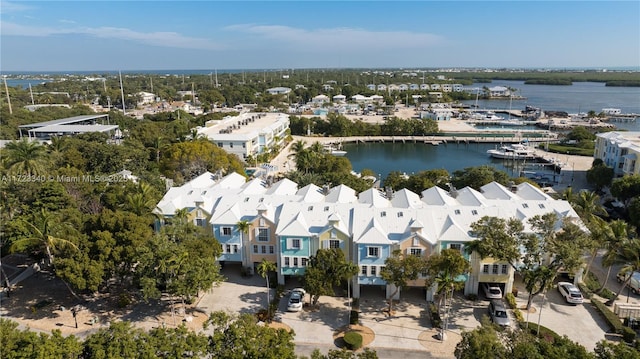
[[335, 150], [516, 151]]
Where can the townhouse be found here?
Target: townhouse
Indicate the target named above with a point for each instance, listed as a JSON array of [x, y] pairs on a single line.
[[255, 220], [619, 150]]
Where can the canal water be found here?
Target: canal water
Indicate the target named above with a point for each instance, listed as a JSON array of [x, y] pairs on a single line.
[[383, 158]]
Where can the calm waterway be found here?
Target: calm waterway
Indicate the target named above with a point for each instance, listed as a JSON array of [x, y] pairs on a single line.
[[411, 158], [383, 158]]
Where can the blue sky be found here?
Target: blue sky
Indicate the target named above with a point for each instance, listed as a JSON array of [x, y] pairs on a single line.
[[156, 35]]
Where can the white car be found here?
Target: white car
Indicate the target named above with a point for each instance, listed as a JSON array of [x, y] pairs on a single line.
[[296, 298], [492, 291], [570, 293]]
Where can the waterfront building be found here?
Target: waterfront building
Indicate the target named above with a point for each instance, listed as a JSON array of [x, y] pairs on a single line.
[[70, 126], [619, 150], [288, 225], [145, 98], [247, 134]]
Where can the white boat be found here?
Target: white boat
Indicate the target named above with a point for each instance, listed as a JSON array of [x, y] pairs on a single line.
[[335, 150], [515, 151]]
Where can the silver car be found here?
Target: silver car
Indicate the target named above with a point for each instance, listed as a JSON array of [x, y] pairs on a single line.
[[570, 293], [296, 299], [498, 313]]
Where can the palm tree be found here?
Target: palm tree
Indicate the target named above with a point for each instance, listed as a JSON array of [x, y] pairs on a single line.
[[627, 254], [46, 230], [25, 157], [296, 148], [243, 227], [587, 205], [264, 268], [618, 232]]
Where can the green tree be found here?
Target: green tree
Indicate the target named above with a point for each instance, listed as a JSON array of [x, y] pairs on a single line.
[[608, 350], [186, 160], [476, 177], [241, 337], [25, 157], [600, 176], [628, 255], [626, 188], [444, 270], [46, 232], [398, 270], [505, 240], [483, 342], [121, 340], [264, 268], [616, 232], [328, 267]]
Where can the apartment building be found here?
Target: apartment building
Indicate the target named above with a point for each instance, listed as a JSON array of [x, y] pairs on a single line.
[[619, 150]]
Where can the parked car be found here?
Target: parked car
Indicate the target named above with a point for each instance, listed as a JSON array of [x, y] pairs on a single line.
[[634, 283], [492, 291], [498, 313], [570, 292], [296, 299]]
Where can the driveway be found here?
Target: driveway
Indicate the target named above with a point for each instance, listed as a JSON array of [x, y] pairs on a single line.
[[581, 323]]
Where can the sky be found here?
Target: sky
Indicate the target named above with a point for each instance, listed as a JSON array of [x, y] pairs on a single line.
[[198, 35]]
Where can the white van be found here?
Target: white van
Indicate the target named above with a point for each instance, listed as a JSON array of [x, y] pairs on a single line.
[[634, 283]]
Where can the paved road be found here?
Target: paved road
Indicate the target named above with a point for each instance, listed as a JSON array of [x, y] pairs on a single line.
[[383, 353]]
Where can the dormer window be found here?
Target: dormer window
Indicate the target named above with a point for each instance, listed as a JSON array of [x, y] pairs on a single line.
[[400, 214], [326, 209], [310, 208], [524, 205], [541, 205], [457, 211], [383, 214], [246, 199], [474, 212]]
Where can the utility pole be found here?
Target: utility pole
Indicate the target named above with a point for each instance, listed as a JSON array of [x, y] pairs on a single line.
[[122, 94], [6, 88]]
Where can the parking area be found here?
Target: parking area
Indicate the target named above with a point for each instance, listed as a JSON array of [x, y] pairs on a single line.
[[581, 323]]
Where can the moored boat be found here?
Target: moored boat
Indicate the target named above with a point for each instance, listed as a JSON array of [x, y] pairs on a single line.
[[515, 151]]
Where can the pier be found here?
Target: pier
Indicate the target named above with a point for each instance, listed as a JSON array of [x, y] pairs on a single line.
[[438, 139]]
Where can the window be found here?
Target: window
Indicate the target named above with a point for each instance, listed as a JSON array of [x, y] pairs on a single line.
[[457, 211], [262, 223], [373, 251], [400, 214], [524, 205], [228, 248], [363, 270], [541, 205], [255, 248], [201, 222], [220, 144], [304, 261], [326, 209], [334, 244], [294, 243], [383, 214], [295, 261], [416, 252], [271, 250], [235, 248], [226, 231], [310, 208], [264, 249], [485, 269], [505, 269], [230, 144], [416, 241], [495, 269], [456, 246], [374, 271], [244, 145], [263, 234], [474, 212], [334, 234], [286, 261]]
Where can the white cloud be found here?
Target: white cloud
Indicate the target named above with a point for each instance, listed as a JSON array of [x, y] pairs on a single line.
[[342, 38], [163, 39], [7, 7]]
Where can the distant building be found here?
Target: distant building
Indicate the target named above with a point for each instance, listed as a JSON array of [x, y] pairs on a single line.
[[619, 150], [69, 126], [247, 134], [146, 98], [279, 90]]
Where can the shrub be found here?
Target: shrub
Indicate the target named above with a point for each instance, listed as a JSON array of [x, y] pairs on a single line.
[[354, 317], [436, 322], [545, 333], [124, 299], [628, 334], [612, 318], [353, 340], [511, 300], [586, 292], [472, 297], [518, 314]]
